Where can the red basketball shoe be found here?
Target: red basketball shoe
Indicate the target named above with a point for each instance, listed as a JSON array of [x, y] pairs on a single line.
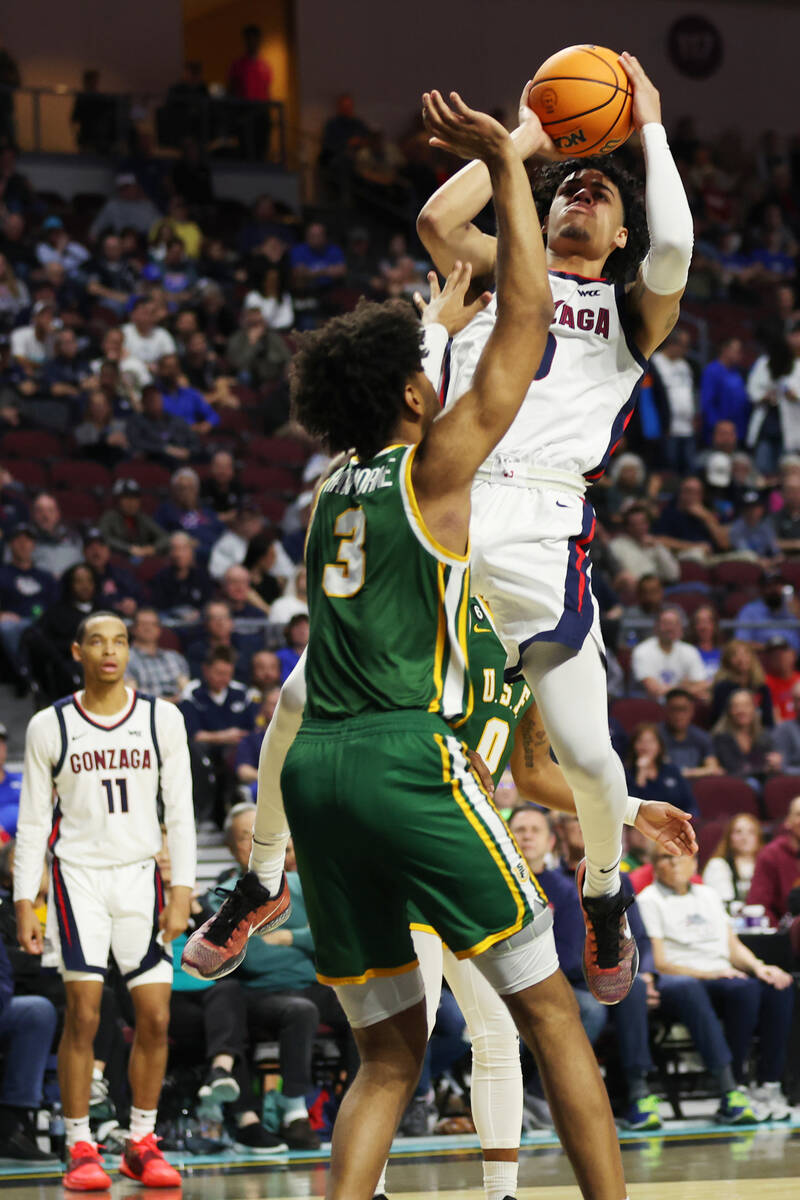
[[610, 956], [219, 945], [144, 1161], [85, 1169]]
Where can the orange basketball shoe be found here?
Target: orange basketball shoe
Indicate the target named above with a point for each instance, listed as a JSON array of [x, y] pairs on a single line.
[[610, 956], [219, 945], [144, 1162], [85, 1171]]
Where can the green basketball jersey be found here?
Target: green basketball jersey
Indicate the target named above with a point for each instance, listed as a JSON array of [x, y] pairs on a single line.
[[498, 706], [388, 605]]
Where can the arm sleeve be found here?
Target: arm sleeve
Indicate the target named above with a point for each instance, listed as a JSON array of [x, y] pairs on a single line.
[[669, 218], [42, 748], [176, 793]]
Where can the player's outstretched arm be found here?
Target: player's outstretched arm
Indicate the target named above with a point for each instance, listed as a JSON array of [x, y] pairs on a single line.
[[460, 438], [656, 294], [445, 223]]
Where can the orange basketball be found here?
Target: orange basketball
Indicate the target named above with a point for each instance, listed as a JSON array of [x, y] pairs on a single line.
[[584, 100]]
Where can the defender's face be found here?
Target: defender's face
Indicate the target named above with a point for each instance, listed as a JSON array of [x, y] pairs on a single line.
[[586, 216], [103, 653]]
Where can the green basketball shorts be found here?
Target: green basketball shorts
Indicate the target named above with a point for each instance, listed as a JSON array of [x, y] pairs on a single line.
[[386, 811]]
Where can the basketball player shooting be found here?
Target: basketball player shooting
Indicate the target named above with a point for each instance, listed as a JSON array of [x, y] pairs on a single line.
[[109, 754], [531, 527]]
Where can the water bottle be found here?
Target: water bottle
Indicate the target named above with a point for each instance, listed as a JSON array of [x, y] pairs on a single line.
[[58, 1132]]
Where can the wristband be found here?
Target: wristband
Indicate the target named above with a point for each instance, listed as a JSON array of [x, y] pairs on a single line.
[[435, 338], [632, 806]]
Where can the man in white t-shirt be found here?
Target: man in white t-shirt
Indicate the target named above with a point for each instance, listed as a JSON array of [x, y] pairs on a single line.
[[664, 661], [144, 339], [675, 376], [32, 344], [712, 983]]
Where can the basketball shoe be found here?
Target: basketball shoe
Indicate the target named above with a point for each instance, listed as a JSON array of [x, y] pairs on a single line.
[[610, 956], [220, 944], [144, 1161], [85, 1171]]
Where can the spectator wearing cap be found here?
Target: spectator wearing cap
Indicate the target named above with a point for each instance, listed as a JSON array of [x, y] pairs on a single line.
[[25, 592], [687, 526], [32, 345], [231, 548], [116, 588], [57, 246], [221, 490], [687, 747], [773, 614], [128, 209], [754, 531], [10, 788], [181, 401], [665, 661], [127, 529], [101, 436], [144, 337], [777, 870], [723, 392], [158, 672], [182, 588], [183, 510], [638, 553], [57, 546], [153, 433], [787, 520], [780, 664]]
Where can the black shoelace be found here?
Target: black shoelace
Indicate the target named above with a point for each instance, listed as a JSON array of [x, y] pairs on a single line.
[[605, 923], [234, 909]]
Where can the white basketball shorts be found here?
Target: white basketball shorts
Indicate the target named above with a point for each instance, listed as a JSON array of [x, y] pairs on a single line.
[[530, 562], [94, 910]]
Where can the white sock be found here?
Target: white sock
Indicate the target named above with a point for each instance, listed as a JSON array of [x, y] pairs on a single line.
[[380, 1186], [77, 1130], [294, 1109], [267, 862], [143, 1121], [499, 1179]]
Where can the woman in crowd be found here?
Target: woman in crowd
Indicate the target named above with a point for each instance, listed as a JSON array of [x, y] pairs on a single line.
[[705, 635], [649, 776], [270, 292], [48, 642], [730, 868], [740, 668], [774, 389], [14, 295], [741, 744]]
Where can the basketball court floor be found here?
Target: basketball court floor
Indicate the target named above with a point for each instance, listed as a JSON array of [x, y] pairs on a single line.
[[687, 1161]]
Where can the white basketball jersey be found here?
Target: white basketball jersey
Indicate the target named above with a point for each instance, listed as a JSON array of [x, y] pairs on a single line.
[[583, 396], [106, 782]]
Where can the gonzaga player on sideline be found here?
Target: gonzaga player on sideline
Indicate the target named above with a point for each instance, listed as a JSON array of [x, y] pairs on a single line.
[[531, 528], [108, 754]]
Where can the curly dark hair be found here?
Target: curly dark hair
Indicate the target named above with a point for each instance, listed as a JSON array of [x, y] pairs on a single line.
[[348, 378], [621, 265]]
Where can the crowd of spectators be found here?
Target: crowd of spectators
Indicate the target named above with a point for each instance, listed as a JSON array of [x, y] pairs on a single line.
[[149, 465]]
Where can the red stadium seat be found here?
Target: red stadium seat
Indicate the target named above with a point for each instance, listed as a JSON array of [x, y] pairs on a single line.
[[258, 478], [734, 601], [694, 572], [79, 506], [150, 476], [702, 714], [790, 571], [33, 444], [721, 796], [168, 639], [738, 574], [708, 836], [277, 451], [687, 600], [633, 711], [32, 475], [148, 567], [79, 475], [272, 508], [779, 791]]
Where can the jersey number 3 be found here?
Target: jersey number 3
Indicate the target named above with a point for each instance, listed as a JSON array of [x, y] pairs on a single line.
[[345, 577]]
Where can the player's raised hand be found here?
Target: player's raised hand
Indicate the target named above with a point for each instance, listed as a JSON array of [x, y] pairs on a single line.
[[671, 827], [530, 137], [29, 929], [646, 98], [461, 130], [447, 306]]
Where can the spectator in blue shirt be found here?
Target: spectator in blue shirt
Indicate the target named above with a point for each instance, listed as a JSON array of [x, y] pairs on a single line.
[[296, 642], [25, 591], [532, 829], [181, 401], [777, 608], [754, 530], [10, 788], [249, 749], [184, 511], [317, 266], [723, 392], [218, 630]]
